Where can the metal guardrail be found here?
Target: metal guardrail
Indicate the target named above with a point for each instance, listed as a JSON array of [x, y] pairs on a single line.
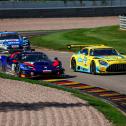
[[122, 22], [18, 4]]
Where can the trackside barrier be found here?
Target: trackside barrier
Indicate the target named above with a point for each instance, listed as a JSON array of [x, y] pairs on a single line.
[[61, 12], [122, 22]]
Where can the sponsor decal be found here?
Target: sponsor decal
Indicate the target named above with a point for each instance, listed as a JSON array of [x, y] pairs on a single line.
[[85, 60], [47, 71], [80, 60]]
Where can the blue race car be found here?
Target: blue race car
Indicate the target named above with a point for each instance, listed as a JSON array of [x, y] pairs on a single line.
[[12, 41], [26, 43], [32, 64]]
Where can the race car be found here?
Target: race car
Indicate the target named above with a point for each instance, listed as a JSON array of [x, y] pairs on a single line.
[[26, 43], [10, 41], [97, 59], [32, 64]]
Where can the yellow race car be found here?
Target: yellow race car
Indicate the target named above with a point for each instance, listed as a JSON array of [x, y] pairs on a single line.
[[97, 59]]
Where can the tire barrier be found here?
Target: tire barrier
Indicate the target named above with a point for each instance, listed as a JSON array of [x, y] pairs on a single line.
[[122, 22], [115, 98]]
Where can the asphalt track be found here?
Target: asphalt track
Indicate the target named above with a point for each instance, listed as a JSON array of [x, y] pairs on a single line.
[[110, 82], [109, 87]]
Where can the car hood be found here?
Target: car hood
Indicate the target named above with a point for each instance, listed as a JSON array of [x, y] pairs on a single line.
[[43, 63], [40, 65], [112, 58]]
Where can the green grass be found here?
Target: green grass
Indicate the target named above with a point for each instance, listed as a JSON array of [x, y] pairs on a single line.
[[110, 35], [110, 112]]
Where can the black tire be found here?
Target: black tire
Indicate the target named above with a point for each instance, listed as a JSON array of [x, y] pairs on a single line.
[[17, 71], [73, 64], [93, 68], [0, 65]]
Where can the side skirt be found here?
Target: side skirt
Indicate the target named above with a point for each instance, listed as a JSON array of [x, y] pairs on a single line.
[[82, 69]]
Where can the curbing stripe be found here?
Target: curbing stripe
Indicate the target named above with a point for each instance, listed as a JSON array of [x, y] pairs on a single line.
[[75, 85], [116, 98], [84, 87], [120, 96], [54, 80], [119, 99], [107, 95], [107, 92], [67, 84], [97, 91]]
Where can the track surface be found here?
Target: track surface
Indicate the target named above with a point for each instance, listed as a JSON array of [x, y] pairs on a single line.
[[32, 105], [110, 82], [23, 104], [27, 24]]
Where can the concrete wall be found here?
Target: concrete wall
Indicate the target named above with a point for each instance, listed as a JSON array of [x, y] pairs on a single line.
[[64, 12]]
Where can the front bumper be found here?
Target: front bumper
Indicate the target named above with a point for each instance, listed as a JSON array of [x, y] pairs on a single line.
[[8, 49], [31, 74], [113, 68]]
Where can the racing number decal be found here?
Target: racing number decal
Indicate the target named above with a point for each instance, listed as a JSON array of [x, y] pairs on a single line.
[[85, 60]]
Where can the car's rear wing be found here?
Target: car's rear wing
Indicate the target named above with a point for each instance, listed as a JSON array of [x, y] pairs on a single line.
[[69, 46]]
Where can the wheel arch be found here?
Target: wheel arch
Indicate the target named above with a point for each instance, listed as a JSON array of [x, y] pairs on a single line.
[[93, 64]]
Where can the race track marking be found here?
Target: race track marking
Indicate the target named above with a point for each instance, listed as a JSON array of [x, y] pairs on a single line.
[[75, 85], [107, 95], [97, 91], [62, 82], [54, 80], [84, 87], [67, 84], [116, 98], [119, 99]]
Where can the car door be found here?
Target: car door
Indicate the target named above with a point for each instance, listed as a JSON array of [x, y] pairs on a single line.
[[84, 58]]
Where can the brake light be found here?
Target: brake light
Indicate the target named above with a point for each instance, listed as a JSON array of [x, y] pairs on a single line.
[[14, 61], [55, 63]]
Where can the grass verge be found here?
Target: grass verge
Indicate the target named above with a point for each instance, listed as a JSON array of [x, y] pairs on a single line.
[[110, 112], [109, 35]]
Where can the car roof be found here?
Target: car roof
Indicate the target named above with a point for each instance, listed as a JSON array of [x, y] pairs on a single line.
[[8, 32]]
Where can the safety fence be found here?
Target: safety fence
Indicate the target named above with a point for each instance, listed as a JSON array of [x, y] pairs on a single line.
[[122, 22], [62, 12], [19, 4]]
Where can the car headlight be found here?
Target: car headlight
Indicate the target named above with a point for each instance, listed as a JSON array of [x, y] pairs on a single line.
[[103, 62]]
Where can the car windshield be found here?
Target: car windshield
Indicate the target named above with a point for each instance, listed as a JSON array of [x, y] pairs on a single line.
[[34, 57], [9, 36], [103, 52]]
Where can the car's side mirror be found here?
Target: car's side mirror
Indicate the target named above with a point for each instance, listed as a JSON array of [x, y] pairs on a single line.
[[14, 61], [25, 38]]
